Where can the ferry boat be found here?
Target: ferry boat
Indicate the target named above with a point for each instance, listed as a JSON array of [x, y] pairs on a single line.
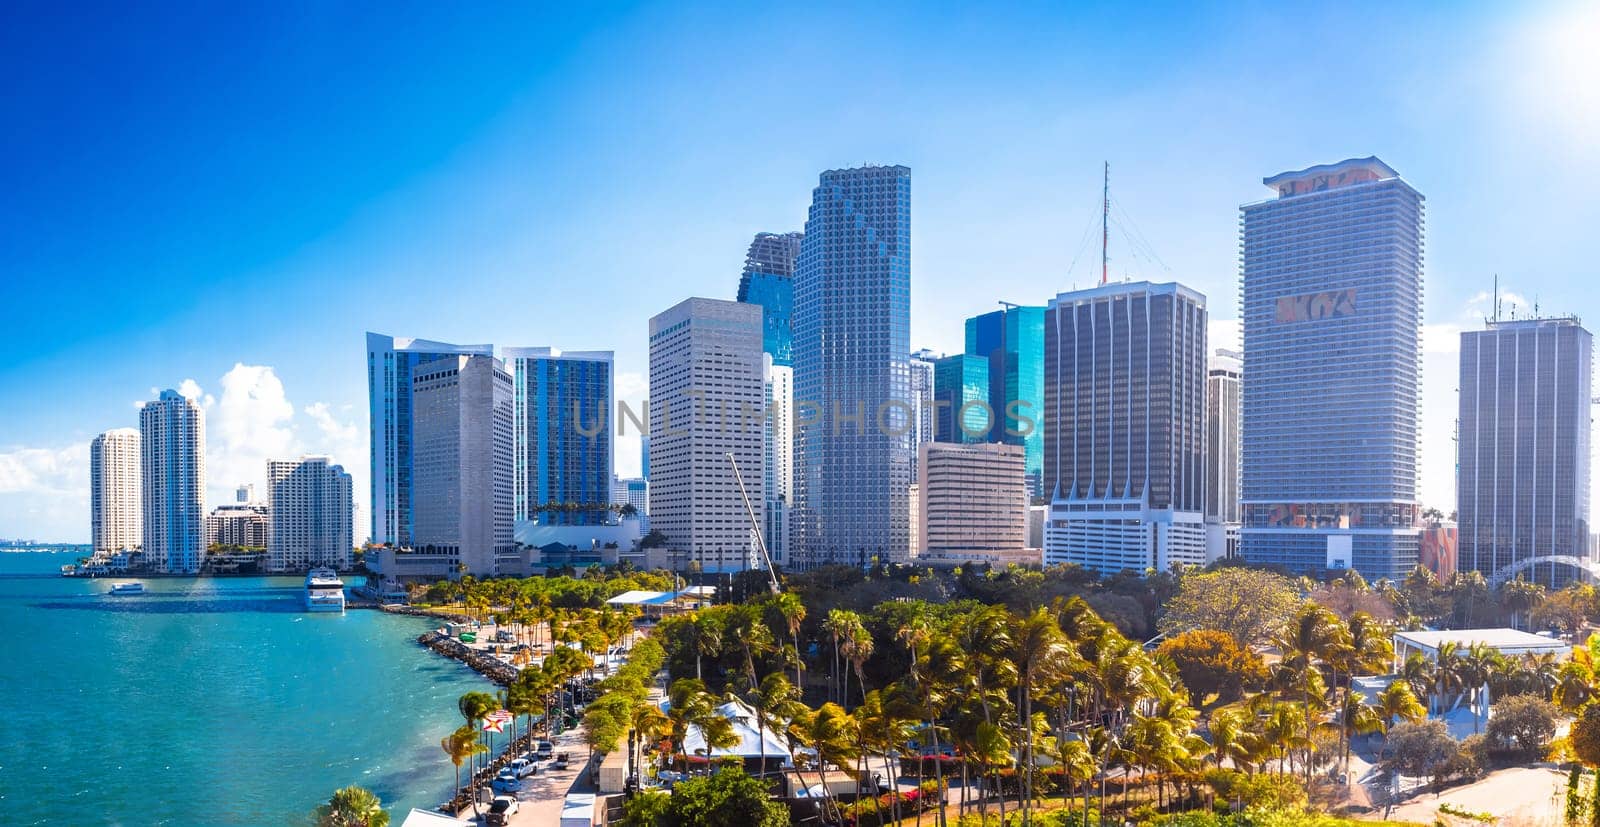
[[128, 588], [324, 591]]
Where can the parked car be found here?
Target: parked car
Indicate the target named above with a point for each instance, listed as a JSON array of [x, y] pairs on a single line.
[[504, 636], [501, 810], [507, 781], [543, 750], [561, 761], [523, 767]]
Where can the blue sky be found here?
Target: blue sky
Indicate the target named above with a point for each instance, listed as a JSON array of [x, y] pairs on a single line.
[[229, 203]]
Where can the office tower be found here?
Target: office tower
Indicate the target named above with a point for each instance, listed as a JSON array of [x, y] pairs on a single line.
[[561, 435], [1332, 308], [115, 515], [245, 493], [1523, 472], [462, 463], [768, 281], [243, 524], [974, 499], [961, 399], [1012, 340], [706, 396], [1124, 420], [309, 503], [777, 456], [924, 427], [634, 491], [852, 322], [390, 363], [1222, 436], [172, 462], [914, 498]]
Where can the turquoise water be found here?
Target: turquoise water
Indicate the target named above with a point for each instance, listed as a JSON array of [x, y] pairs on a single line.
[[209, 702]]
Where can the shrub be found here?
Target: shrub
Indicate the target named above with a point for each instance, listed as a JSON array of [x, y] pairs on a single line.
[[1256, 792], [1520, 726]]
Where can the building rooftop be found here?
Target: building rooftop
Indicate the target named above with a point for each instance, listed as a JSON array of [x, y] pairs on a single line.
[[1330, 176], [1504, 640]]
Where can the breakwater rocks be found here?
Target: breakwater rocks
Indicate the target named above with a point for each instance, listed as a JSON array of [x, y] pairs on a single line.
[[490, 667]]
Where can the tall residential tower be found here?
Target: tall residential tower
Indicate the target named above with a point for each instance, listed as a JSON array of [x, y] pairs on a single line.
[[172, 459], [116, 517], [309, 511], [563, 462], [1332, 304]]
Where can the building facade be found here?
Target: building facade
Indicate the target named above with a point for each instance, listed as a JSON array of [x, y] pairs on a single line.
[[242, 524], [1222, 455], [768, 281], [852, 331], [1523, 472], [973, 499], [462, 461], [777, 457], [1012, 340], [116, 515], [1332, 312], [172, 462], [390, 363], [961, 399], [563, 460], [1124, 390], [308, 501], [706, 403]]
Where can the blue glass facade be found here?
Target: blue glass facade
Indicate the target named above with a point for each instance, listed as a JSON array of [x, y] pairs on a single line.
[[1013, 341], [562, 436], [1332, 306], [961, 399], [852, 334], [389, 387], [768, 280]]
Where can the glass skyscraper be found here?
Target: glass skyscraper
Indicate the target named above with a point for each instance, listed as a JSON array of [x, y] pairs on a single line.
[[852, 346], [1523, 471], [1332, 306], [768, 280], [389, 387], [1013, 341], [562, 435], [961, 399]]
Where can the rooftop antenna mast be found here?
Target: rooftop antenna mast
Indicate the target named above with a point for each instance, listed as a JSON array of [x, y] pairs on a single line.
[[1105, 220], [1497, 297]]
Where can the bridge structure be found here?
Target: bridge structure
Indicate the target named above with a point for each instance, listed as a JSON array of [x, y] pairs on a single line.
[[1588, 568]]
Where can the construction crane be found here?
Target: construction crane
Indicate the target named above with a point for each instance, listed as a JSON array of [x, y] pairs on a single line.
[[761, 543]]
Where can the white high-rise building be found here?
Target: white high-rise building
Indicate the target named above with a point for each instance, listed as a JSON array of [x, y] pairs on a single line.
[[115, 517], [308, 502], [172, 460], [778, 456], [1222, 454], [461, 492], [706, 395]]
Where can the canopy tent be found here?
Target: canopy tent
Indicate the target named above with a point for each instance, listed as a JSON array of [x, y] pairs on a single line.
[[754, 744]]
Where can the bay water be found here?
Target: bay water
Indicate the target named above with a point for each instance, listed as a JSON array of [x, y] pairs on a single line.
[[213, 701]]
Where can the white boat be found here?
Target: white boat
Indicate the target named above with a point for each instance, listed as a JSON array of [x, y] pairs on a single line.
[[324, 591], [128, 588]]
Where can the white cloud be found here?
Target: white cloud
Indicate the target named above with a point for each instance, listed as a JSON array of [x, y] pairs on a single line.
[[250, 424], [63, 471], [1441, 338]]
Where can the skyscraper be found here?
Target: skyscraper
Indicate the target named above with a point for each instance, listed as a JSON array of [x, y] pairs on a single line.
[[852, 331], [706, 399], [777, 456], [1124, 420], [974, 499], [308, 508], [390, 362], [924, 427], [961, 399], [1012, 340], [768, 280], [115, 511], [1523, 472], [1222, 437], [462, 464], [563, 462], [1332, 304], [172, 461]]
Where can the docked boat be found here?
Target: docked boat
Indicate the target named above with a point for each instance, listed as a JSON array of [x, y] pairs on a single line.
[[128, 588], [324, 591]]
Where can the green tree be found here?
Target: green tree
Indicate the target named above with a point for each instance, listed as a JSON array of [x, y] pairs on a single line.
[[727, 799], [1249, 604], [1522, 725], [1585, 736], [352, 807], [461, 745]]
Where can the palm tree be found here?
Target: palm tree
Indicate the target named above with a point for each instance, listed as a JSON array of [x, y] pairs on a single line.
[[793, 610], [882, 729], [832, 733], [691, 706], [1520, 597], [1232, 739], [352, 807], [461, 746], [937, 666], [1312, 637], [706, 639], [1476, 667], [646, 724], [775, 700], [858, 649], [1077, 770], [991, 749], [1398, 703], [747, 627], [475, 706], [1040, 655]]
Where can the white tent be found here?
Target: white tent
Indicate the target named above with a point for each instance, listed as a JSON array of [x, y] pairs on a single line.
[[752, 745]]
